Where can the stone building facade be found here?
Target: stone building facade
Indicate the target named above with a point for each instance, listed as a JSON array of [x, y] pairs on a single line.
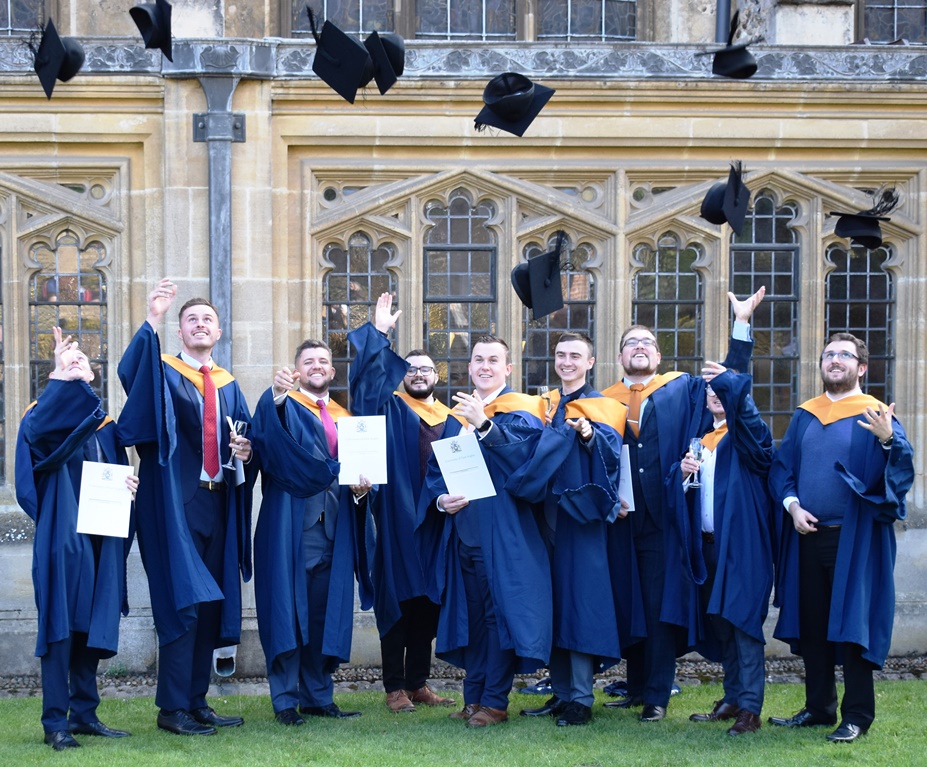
[[239, 174]]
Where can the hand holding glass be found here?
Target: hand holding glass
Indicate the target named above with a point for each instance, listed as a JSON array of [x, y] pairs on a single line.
[[695, 447], [238, 429]]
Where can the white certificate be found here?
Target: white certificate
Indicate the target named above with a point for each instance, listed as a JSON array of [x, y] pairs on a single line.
[[463, 467], [105, 502], [625, 488], [362, 449]]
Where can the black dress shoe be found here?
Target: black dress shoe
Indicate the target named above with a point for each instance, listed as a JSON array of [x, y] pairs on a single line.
[[721, 712], [181, 723], [653, 713], [96, 728], [574, 713], [552, 707], [331, 710], [846, 733], [210, 718], [289, 717], [60, 740], [803, 718], [629, 702]]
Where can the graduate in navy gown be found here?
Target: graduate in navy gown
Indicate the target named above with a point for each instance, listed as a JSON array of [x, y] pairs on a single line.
[[309, 542], [79, 579], [407, 619], [840, 479], [194, 513], [491, 567]]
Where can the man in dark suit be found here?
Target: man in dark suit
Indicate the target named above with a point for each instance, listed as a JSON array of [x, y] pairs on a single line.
[[664, 412], [194, 513], [309, 542]]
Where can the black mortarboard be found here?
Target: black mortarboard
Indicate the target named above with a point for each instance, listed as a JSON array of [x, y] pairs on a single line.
[[734, 61], [537, 282], [340, 60], [388, 52], [154, 22], [728, 201], [863, 228], [56, 58], [512, 102]]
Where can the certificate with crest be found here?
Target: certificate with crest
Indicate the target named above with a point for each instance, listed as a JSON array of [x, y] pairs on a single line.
[[105, 502], [362, 449], [463, 467]]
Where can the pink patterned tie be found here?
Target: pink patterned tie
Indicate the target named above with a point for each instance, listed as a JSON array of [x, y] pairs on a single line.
[[331, 432]]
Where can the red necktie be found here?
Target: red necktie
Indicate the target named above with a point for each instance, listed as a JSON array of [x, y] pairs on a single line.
[[331, 432], [634, 408], [210, 428]]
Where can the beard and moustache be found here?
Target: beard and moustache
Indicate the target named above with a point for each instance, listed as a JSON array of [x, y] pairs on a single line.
[[842, 386], [421, 393]]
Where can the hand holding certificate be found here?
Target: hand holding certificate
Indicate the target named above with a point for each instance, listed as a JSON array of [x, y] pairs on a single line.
[[463, 467], [362, 449], [105, 502]]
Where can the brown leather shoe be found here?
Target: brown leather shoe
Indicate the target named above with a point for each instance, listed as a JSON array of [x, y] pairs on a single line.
[[746, 722], [488, 716], [397, 701], [429, 697], [466, 712], [719, 713]]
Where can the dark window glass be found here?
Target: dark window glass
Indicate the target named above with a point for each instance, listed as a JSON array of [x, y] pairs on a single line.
[[887, 20], [465, 19], [587, 19], [21, 16], [353, 17]]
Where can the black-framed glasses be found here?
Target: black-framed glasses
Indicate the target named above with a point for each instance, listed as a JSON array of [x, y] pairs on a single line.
[[841, 355], [424, 370], [630, 343]]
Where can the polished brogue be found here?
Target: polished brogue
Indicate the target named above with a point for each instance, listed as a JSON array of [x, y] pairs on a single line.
[[429, 697], [466, 712], [847, 732], [397, 701], [719, 713], [181, 723], [210, 718], [60, 740], [487, 717], [746, 722]]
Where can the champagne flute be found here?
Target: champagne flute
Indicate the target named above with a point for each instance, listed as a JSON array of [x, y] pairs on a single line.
[[238, 429], [695, 447], [544, 393]]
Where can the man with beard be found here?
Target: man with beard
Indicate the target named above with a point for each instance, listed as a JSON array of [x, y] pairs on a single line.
[[406, 618], [842, 473], [307, 545], [664, 412]]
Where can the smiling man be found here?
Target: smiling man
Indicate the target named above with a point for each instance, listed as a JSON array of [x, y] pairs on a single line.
[[194, 513], [841, 475]]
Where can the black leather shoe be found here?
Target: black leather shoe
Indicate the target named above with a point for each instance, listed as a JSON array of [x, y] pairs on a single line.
[[846, 733], [803, 718], [574, 713], [210, 718], [653, 713], [60, 740], [331, 710], [630, 702], [721, 712], [289, 717], [181, 723], [552, 707], [96, 728]]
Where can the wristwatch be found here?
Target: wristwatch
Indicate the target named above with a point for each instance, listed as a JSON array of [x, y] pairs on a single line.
[[484, 427]]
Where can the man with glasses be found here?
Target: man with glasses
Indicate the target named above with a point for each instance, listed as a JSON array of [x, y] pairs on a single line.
[[406, 618], [664, 412], [841, 473]]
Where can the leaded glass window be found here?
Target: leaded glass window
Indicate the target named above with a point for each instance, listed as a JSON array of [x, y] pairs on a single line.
[[578, 314], [68, 291], [19, 17], [587, 19], [353, 17], [887, 20], [465, 19], [459, 285], [669, 299], [860, 299], [767, 253], [357, 278]]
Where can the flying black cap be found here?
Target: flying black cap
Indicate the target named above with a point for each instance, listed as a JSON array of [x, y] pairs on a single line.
[[734, 61], [340, 60], [154, 22], [727, 202], [512, 102], [537, 282], [863, 228], [388, 52], [56, 58]]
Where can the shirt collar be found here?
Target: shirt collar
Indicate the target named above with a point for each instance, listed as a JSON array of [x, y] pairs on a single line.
[[194, 363], [495, 394]]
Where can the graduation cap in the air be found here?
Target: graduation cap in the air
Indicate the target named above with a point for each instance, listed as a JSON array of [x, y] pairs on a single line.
[[512, 102], [734, 61], [154, 22], [56, 57], [388, 52], [340, 60], [537, 281], [863, 228], [727, 202]]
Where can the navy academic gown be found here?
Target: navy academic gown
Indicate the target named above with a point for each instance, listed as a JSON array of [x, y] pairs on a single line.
[[742, 516], [397, 571], [295, 466], [514, 553], [162, 418], [73, 592], [862, 607]]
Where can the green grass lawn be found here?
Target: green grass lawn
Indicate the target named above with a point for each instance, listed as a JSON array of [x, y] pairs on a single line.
[[427, 738]]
